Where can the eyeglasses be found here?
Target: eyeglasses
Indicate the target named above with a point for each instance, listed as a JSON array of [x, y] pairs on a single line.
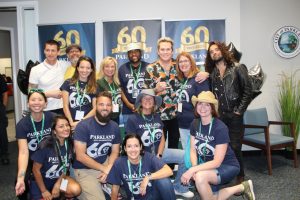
[[183, 61], [38, 90]]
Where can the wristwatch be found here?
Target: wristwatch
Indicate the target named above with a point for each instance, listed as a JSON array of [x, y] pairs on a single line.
[[159, 155]]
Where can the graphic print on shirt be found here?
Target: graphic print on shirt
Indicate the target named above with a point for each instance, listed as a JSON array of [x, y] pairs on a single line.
[[130, 84], [182, 93], [56, 170], [136, 181], [101, 145], [33, 142], [152, 133], [204, 148], [76, 100]]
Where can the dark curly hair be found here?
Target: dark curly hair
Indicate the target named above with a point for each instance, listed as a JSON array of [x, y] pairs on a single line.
[[227, 55]]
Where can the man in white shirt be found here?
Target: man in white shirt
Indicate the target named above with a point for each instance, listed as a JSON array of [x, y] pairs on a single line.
[[49, 76]]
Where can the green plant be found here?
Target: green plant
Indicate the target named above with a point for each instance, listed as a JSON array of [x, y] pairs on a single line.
[[289, 101]]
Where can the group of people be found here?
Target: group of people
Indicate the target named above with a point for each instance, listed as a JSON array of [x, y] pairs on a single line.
[[72, 131]]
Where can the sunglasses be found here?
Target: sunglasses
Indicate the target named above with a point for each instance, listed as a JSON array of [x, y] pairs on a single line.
[[38, 90]]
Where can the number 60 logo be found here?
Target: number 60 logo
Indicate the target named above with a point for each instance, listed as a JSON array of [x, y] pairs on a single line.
[[125, 38], [190, 42], [72, 35]]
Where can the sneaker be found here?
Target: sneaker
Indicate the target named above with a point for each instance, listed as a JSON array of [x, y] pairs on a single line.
[[187, 194], [248, 190]]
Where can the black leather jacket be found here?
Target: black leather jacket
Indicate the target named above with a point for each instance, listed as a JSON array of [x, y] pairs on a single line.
[[238, 90]]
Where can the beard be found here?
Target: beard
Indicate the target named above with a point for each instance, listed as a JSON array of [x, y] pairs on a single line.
[[103, 119], [216, 61], [74, 61], [133, 61]]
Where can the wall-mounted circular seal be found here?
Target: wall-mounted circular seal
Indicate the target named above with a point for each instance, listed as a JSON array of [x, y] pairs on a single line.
[[286, 41]]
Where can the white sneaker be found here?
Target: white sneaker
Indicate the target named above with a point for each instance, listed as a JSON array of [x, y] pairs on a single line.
[[187, 194]]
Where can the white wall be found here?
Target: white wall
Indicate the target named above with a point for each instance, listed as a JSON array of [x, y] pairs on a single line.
[[259, 21]]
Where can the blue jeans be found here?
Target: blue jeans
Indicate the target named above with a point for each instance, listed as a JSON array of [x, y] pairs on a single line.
[[162, 189], [184, 135], [176, 156], [125, 118]]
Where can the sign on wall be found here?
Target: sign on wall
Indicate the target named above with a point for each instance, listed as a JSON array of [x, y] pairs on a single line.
[[193, 36], [118, 34], [286, 41], [82, 34]]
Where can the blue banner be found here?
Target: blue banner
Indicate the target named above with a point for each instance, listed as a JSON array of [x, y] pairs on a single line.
[[82, 34], [118, 34], [193, 36]]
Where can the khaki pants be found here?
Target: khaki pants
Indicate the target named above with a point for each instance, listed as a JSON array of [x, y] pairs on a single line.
[[90, 185]]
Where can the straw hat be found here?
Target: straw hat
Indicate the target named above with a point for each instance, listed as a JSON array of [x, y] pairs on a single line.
[[133, 46], [150, 92], [205, 97]]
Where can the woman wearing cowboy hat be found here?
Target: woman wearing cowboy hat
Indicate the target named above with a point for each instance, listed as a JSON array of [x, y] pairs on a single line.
[[213, 160], [147, 124]]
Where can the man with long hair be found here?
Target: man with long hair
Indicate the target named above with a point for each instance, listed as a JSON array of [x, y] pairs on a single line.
[[230, 84]]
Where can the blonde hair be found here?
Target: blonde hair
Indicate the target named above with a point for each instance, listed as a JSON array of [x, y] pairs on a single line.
[[106, 61], [194, 69], [165, 39]]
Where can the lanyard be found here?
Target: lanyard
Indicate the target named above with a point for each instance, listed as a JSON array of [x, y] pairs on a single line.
[[135, 75], [112, 88], [130, 175], [39, 136], [63, 159], [204, 152], [182, 89], [81, 97], [152, 135]]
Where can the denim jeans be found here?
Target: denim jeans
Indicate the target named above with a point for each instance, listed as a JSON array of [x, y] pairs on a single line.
[[184, 135], [125, 118], [162, 189], [234, 123], [176, 156]]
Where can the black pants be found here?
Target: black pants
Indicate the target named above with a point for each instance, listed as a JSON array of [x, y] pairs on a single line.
[[3, 132], [171, 127], [236, 132]]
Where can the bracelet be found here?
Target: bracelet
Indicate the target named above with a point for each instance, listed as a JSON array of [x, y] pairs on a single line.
[[21, 174]]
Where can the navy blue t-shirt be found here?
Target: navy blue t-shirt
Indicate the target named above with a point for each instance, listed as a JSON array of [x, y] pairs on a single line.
[[51, 169], [185, 93], [75, 101], [127, 82], [150, 136], [218, 135], [98, 138], [24, 130], [119, 174]]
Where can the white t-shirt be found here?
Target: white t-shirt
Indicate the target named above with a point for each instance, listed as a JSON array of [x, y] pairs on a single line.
[[49, 77]]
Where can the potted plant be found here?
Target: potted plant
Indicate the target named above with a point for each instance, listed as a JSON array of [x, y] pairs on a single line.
[[289, 101]]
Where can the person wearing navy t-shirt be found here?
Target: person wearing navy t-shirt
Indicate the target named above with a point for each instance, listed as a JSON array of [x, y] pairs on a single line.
[[79, 92], [213, 161], [30, 131], [147, 124], [131, 76], [186, 72], [138, 171], [51, 164], [97, 144]]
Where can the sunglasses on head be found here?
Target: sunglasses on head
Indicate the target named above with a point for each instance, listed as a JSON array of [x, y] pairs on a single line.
[[38, 90]]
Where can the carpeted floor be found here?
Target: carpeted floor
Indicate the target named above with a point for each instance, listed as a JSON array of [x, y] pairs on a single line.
[[284, 184]]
